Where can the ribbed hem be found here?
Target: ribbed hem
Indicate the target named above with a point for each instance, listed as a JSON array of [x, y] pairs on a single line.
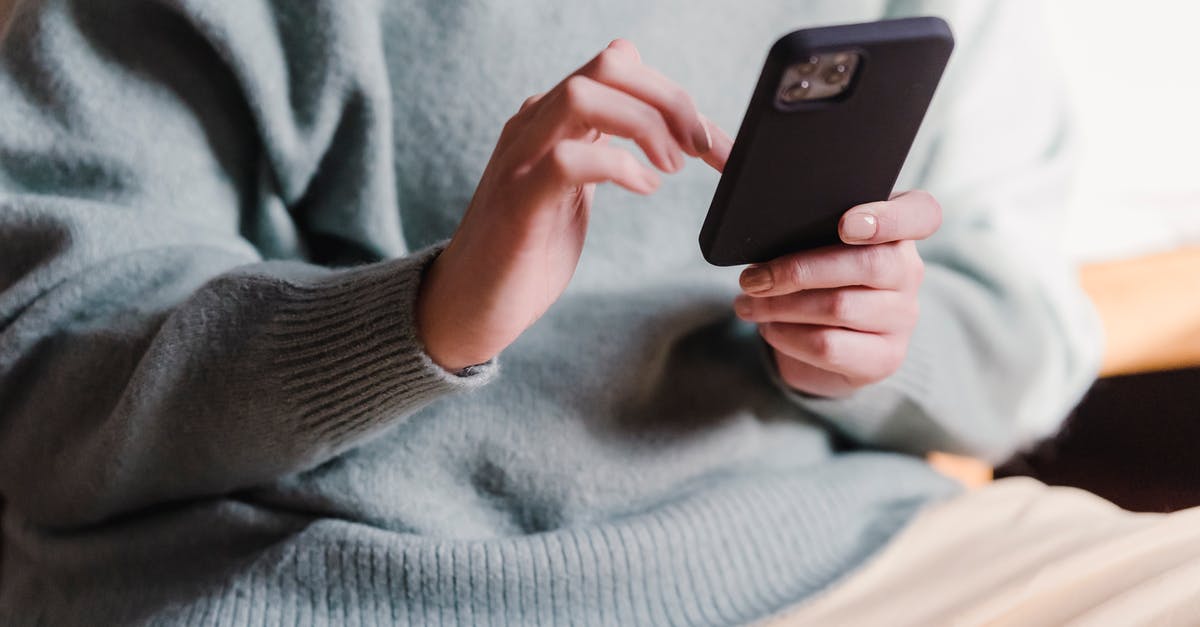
[[348, 353], [730, 552]]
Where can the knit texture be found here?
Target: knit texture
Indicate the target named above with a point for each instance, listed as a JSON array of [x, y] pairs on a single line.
[[215, 408]]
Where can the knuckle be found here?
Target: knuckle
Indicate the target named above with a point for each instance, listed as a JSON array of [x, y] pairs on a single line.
[[886, 365], [574, 91], [927, 198], [529, 102], [920, 195], [910, 264], [824, 346], [791, 273], [509, 126], [838, 305], [932, 206], [607, 61], [918, 269], [559, 158]]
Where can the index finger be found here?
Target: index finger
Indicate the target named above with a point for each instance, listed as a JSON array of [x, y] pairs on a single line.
[[619, 66], [722, 144], [905, 216], [891, 266]]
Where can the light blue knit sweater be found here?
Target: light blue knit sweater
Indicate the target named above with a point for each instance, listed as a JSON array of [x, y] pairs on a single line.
[[214, 408]]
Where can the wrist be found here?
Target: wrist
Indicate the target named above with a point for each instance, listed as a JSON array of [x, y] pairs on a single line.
[[442, 323]]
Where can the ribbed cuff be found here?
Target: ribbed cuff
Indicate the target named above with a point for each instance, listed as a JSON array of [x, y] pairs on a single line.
[[348, 352]]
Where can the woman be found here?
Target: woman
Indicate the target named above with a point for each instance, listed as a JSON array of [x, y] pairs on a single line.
[[246, 380]]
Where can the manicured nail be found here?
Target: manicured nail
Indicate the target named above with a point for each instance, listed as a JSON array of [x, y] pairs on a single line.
[[743, 307], [701, 139], [857, 227], [756, 279]]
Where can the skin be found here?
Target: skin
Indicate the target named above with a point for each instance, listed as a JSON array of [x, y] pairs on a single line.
[[838, 318]]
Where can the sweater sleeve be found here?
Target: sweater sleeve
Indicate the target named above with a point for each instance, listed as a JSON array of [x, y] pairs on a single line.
[[1007, 341], [157, 164]]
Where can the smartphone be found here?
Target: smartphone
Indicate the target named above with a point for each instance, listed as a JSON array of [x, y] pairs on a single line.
[[828, 127]]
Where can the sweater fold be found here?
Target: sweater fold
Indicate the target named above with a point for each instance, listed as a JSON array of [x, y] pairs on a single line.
[[215, 408]]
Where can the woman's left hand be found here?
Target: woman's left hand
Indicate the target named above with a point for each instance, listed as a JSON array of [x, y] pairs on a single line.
[[839, 318]]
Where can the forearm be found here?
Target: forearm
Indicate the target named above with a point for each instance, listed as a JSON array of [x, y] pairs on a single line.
[[147, 352]]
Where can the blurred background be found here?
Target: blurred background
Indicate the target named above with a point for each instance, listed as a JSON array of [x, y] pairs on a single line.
[[1132, 72], [1134, 228]]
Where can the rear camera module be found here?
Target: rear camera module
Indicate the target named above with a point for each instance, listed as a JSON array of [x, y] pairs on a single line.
[[818, 77]]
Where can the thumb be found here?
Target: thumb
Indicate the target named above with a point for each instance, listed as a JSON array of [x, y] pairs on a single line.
[[906, 216]]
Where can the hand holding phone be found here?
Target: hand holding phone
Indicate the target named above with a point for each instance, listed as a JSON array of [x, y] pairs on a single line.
[[840, 317], [836, 274], [827, 128]]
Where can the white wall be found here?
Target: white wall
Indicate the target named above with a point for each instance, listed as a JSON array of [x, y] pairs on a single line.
[[1134, 71]]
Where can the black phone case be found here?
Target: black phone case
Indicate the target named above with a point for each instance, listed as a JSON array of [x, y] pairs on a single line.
[[793, 173]]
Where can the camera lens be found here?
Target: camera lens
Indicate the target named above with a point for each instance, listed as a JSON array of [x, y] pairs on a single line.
[[808, 67], [796, 91], [837, 75]]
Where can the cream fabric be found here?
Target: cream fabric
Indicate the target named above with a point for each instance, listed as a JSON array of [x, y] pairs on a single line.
[[1021, 553]]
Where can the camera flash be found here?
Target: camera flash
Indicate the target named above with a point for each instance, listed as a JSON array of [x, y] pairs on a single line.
[[796, 91]]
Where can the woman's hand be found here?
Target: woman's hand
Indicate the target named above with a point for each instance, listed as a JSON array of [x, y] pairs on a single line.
[[519, 242], [839, 318]]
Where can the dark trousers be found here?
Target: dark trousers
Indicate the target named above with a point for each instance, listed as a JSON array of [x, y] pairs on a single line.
[[1134, 440]]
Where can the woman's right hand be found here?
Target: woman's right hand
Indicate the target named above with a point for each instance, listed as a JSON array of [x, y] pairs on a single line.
[[519, 242]]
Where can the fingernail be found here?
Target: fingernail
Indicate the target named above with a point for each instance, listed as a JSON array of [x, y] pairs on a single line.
[[701, 139], [859, 226], [756, 279], [743, 307]]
